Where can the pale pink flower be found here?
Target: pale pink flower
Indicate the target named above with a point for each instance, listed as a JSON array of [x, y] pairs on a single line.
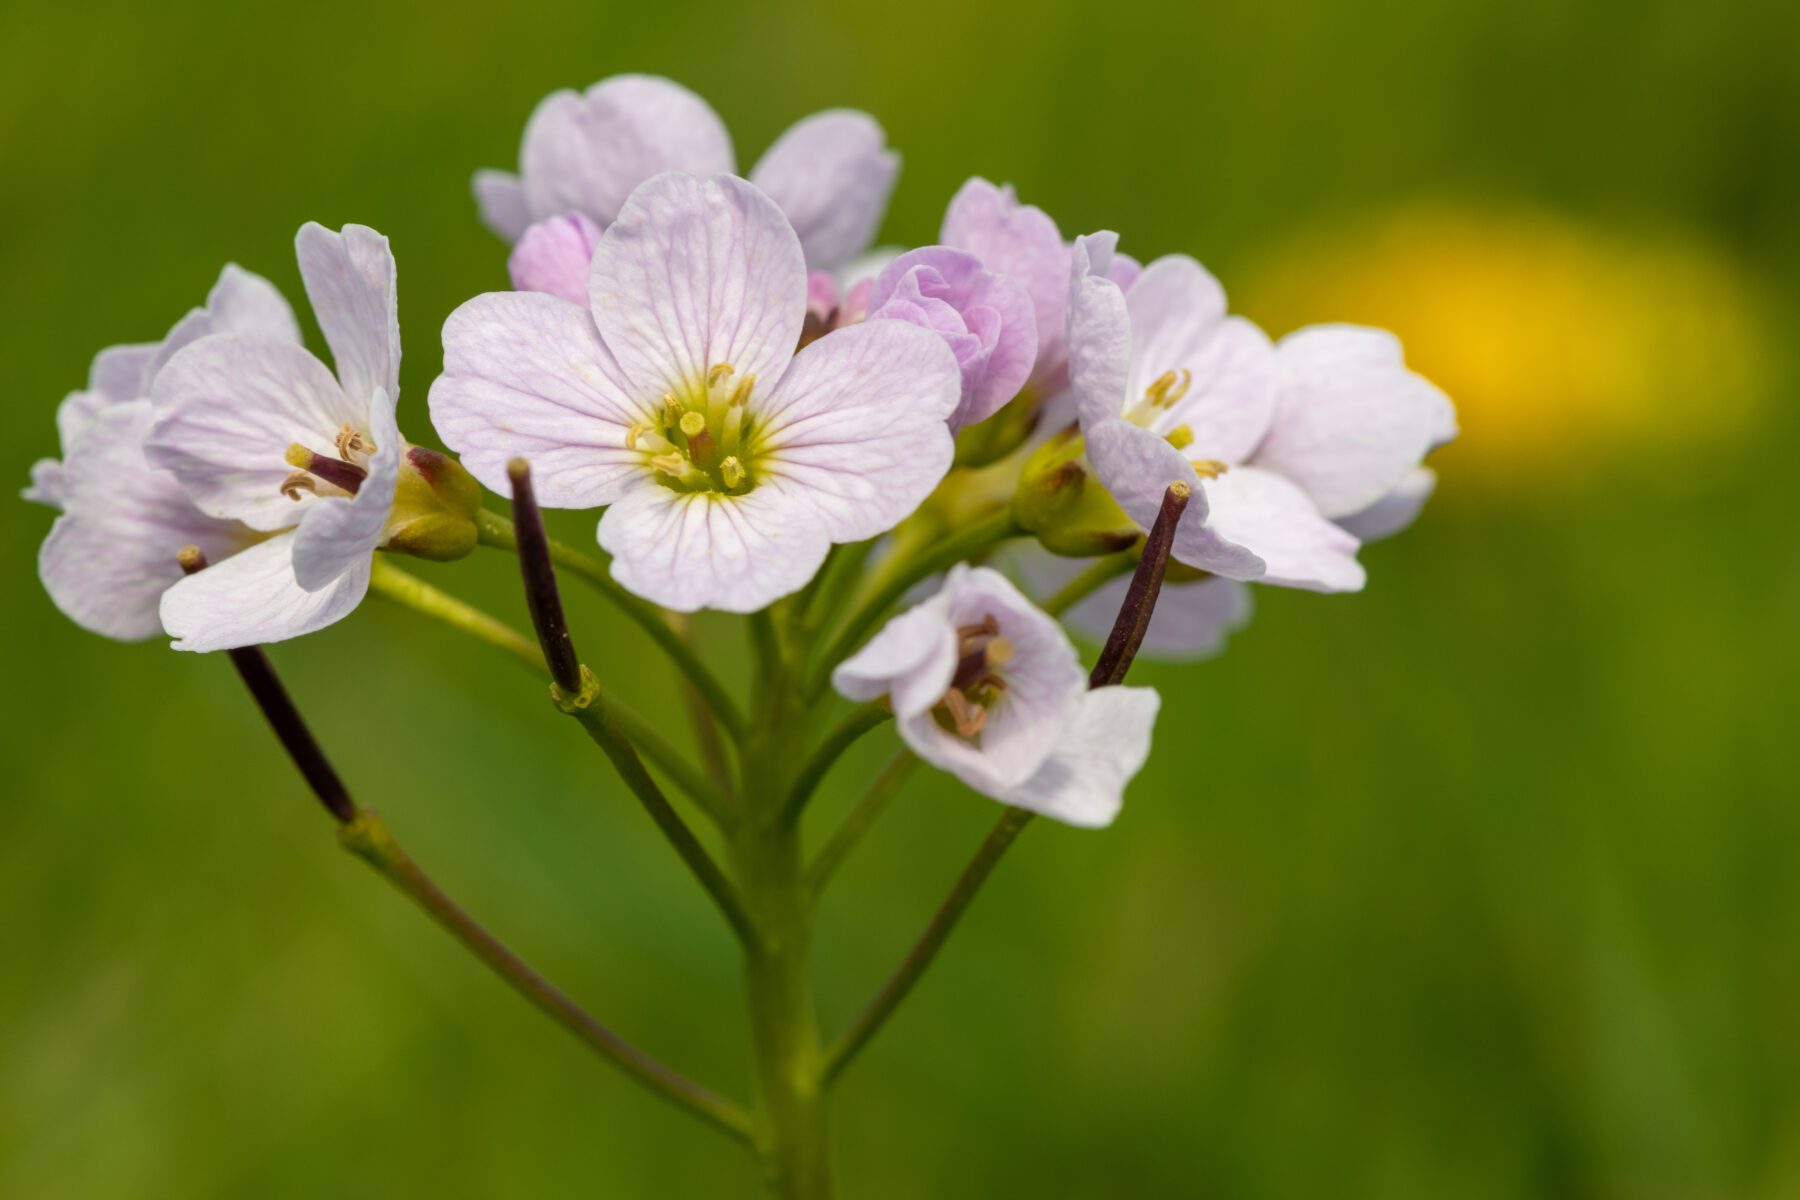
[[987, 686], [727, 462]]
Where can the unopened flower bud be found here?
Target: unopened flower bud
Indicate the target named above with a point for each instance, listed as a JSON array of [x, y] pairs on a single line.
[[434, 507], [553, 257], [1070, 512]]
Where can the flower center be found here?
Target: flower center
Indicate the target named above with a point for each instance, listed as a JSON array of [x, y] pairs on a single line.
[[977, 685], [341, 475], [1159, 399], [702, 441]]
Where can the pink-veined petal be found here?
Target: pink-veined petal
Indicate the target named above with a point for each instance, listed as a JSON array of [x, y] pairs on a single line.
[[227, 409], [693, 550], [1271, 517], [1022, 241], [351, 281], [252, 598], [526, 375], [1178, 323], [854, 436], [1099, 335], [694, 274], [586, 152], [831, 173], [1352, 419]]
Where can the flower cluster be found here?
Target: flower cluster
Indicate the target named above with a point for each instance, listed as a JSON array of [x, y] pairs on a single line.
[[721, 367]]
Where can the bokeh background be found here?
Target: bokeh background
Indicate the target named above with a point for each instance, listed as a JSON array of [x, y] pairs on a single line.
[[1478, 884]]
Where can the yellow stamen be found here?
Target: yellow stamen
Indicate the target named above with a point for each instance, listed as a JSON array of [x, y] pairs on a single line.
[[1169, 387], [731, 471], [741, 393], [298, 482], [999, 651], [1181, 436], [1210, 468], [718, 372], [693, 424]]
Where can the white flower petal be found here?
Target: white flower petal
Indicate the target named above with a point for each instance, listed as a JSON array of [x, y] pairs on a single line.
[[1396, 510], [77, 411], [912, 660], [337, 533], [227, 409], [1178, 323], [118, 372], [694, 274], [1022, 241], [351, 280], [1099, 338], [693, 550], [1352, 420], [252, 598], [526, 375], [46, 486], [1107, 743], [1272, 518], [1137, 467], [500, 195], [111, 556], [854, 435], [240, 302], [586, 153], [831, 173]]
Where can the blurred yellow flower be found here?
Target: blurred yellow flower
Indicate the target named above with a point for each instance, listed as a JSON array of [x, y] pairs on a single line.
[[1566, 347]]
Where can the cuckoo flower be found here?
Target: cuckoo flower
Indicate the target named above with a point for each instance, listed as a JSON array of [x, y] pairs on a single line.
[[729, 463], [260, 431], [988, 687], [1192, 619], [1022, 241], [987, 319], [584, 153], [240, 302], [1169, 387]]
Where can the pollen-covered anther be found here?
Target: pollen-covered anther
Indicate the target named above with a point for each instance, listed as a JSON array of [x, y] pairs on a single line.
[[297, 483], [1180, 437], [1169, 387], [351, 442], [731, 471], [1209, 468], [717, 372], [968, 717], [740, 395]]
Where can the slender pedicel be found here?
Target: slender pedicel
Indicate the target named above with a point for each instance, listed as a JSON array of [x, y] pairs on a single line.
[[541, 595], [259, 676]]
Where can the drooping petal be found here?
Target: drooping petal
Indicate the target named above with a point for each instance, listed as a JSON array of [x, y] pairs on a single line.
[[351, 281], [912, 660], [1270, 517], [1137, 467], [1178, 323], [337, 532], [853, 438], [1107, 743], [693, 550], [1396, 510], [500, 196], [587, 152], [987, 319], [694, 274], [831, 173], [526, 375], [1099, 335], [227, 409], [1022, 241], [554, 257], [112, 554], [1352, 419], [252, 598]]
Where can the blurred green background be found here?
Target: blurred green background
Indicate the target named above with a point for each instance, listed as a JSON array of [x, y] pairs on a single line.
[[1480, 883]]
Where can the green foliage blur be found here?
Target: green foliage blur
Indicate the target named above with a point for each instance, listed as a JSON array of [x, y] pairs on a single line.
[[1478, 884]]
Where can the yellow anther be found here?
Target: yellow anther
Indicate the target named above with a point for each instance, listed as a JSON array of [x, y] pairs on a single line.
[[1181, 436], [1169, 387], [1210, 468], [693, 424], [669, 464], [717, 372], [731, 471], [671, 410], [741, 393], [638, 429], [999, 651]]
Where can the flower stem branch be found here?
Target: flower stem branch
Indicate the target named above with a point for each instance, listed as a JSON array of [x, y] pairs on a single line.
[[857, 822], [406, 589], [498, 532], [939, 556], [1115, 660], [943, 922], [539, 577], [861, 720]]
